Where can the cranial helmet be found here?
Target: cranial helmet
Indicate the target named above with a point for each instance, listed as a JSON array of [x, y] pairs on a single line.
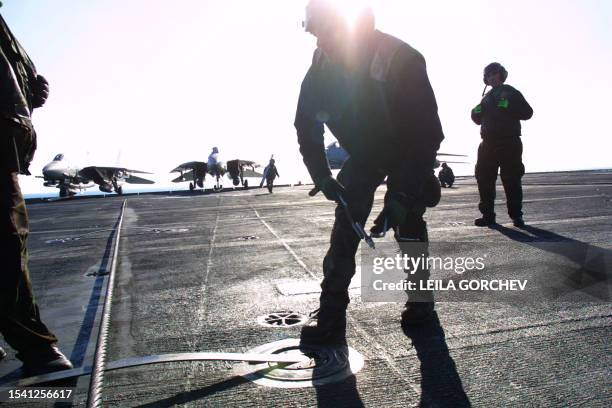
[[493, 68]]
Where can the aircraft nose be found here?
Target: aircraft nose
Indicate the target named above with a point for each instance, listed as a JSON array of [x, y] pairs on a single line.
[[51, 170]]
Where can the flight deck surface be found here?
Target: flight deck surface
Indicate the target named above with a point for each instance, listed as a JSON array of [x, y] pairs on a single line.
[[199, 272]]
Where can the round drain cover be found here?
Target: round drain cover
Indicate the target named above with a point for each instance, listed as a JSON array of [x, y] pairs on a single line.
[[282, 319], [327, 365]]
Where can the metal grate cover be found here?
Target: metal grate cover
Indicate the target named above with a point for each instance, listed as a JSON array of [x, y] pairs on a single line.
[[282, 319]]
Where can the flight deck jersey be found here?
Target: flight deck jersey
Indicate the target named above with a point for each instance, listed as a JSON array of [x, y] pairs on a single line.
[[500, 112]]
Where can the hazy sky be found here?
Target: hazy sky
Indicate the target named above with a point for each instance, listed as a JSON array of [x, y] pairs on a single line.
[[150, 84]]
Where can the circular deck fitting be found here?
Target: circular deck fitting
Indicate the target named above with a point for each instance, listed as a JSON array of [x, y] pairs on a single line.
[[327, 365], [282, 319]]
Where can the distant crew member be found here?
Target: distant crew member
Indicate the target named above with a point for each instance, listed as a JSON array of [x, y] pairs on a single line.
[[446, 176], [270, 173], [373, 93], [499, 115], [21, 91]]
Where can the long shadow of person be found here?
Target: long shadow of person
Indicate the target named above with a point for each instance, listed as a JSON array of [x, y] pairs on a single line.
[[586, 278], [440, 382], [342, 394], [333, 393]]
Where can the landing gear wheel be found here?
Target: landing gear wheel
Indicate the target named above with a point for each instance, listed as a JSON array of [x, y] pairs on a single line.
[[245, 184], [191, 186], [63, 192]]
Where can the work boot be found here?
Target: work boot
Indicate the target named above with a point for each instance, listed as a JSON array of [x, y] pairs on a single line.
[[518, 222], [417, 313], [44, 361], [484, 221], [329, 331], [2, 353]]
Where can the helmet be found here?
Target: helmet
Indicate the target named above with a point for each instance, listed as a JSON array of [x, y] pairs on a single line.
[[493, 68], [322, 14]]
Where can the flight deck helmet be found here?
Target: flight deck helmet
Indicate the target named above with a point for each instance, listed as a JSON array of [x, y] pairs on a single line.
[[493, 68]]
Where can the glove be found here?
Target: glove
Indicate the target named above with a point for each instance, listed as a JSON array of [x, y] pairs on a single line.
[[503, 103], [330, 188], [40, 91], [394, 213]]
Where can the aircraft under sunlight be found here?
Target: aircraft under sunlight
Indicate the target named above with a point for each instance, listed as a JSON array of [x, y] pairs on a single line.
[[71, 180], [336, 156], [195, 171]]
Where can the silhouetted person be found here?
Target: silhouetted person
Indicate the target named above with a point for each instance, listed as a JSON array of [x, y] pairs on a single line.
[[373, 93], [499, 115], [270, 174], [446, 176], [21, 91]]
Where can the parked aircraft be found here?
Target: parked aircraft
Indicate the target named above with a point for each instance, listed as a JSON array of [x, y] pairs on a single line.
[[195, 171], [71, 180]]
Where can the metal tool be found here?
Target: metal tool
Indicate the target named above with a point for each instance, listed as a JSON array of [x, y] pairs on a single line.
[[357, 227]]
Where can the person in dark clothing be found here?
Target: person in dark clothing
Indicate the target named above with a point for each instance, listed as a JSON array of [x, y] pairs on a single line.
[[499, 115], [270, 173], [372, 92], [21, 91], [446, 176]]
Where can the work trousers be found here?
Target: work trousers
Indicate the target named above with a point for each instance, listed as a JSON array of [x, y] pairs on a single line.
[[506, 156], [20, 322], [339, 262]]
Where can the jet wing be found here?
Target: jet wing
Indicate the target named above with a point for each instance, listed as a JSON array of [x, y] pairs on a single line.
[[102, 175], [189, 166], [251, 173], [249, 163], [451, 154], [138, 180], [93, 173], [112, 170], [185, 177]]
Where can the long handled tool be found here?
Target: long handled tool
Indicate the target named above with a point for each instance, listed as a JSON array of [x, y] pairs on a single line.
[[357, 227]]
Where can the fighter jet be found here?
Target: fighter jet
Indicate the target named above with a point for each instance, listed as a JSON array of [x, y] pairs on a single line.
[[195, 171], [70, 180], [336, 156]]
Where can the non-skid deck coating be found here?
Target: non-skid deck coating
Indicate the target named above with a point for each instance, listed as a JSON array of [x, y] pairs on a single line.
[[196, 271]]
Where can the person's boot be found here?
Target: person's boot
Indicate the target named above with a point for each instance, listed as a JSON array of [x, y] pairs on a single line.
[[518, 222], [329, 331], [43, 361], [2, 353], [485, 221], [417, 313]]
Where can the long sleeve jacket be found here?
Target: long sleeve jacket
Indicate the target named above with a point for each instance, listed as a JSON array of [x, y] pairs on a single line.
[[16, 75], [500, 112], [383, 114]]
